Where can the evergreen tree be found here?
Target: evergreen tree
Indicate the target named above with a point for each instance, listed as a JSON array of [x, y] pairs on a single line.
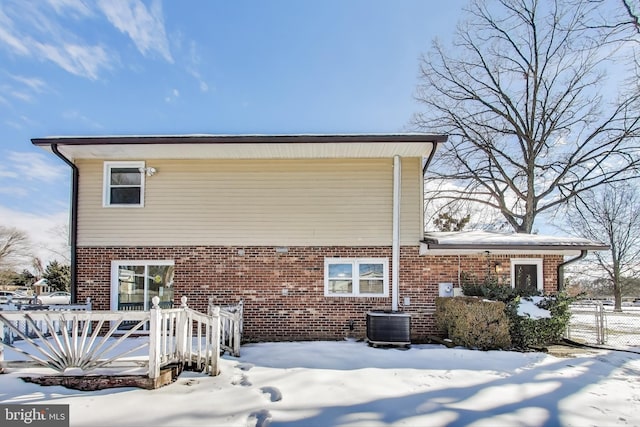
[[58, 275]]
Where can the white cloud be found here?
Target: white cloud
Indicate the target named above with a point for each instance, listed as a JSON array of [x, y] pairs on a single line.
[[5, 173], [13, 124], [27, 29], [194, 61], [24, 122], [19, 192], [43, 230], [145, 26], [40, 30], [21, 95], [77, 8], [15, 43], [34, 83], [77, 116], [81, 60], [22, 88], [175, 94], [34, 166]]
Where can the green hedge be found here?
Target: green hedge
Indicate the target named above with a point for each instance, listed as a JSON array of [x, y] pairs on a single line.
[[529, 333], [525, 332], [473, 322]]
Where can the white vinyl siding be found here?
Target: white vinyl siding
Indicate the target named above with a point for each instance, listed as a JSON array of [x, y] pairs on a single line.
[[255, 202]]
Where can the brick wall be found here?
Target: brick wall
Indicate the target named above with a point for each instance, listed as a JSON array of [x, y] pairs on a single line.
[[284, 292]]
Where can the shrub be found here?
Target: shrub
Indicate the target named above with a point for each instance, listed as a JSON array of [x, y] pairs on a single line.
[[529, 333], [489, 288], [525, 332], [474, 323]]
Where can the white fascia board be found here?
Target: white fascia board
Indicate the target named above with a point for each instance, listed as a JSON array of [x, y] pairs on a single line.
[[424, 250]]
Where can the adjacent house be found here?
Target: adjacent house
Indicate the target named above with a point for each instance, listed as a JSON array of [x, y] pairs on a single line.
[[311, 231]]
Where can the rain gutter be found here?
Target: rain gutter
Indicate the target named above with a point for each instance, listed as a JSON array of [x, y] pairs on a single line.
[[561, 266], [430, 158], [395, 248], [73, 227]]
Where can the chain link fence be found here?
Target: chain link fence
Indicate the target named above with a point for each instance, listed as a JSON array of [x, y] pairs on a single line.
[[596, 324]]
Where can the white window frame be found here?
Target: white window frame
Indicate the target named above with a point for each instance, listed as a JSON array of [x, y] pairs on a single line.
[[115, 266], [355, 262], [106, 187], [539, 273]]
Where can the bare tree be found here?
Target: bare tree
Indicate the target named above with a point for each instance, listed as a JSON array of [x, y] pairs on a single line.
[[15, 247], [531, 117], [448, 221], [633, 9], [62, 249], [612, 216]]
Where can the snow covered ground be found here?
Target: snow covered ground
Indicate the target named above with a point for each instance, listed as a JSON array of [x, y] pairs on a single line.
[[351, 384]]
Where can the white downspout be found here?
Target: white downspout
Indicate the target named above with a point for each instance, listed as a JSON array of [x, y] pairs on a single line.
[[395, 248]]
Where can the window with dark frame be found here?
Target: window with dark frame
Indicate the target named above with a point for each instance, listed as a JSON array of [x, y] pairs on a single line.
[[527, 274], [526, 277]]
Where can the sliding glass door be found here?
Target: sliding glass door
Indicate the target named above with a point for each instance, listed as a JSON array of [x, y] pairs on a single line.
[[135, 283]]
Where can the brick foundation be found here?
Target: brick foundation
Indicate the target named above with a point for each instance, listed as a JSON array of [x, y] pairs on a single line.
[[284, 292]]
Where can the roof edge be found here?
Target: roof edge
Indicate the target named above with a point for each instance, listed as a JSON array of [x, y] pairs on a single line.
[[521, 247], [238, 139]]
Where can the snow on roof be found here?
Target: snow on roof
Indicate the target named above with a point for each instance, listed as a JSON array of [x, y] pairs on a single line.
[[489, 240]]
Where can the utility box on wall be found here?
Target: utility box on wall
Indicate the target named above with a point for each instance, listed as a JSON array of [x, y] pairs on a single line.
[[445, 289]]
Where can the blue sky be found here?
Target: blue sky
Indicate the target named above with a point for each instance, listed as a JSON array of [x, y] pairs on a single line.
[[81, 67]]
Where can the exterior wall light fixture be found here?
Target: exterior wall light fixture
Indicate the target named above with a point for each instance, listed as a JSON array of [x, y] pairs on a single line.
[[148, 170]]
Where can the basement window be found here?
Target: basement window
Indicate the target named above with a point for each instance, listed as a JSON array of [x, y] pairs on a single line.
[[348, 277], [123, 184]]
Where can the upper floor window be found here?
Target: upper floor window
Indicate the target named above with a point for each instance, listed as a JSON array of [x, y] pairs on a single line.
[[356, 277], [526, 274], [123, 184]]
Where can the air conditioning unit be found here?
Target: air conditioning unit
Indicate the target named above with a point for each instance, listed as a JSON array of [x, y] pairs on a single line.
[[388, 328]]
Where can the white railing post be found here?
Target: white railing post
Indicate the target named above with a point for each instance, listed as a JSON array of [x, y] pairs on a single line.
[[181, 330], [215, 345], [154, 339], [602, 338], [237, 318]]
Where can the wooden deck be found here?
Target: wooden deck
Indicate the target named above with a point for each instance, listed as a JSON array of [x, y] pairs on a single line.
[[90, 340]]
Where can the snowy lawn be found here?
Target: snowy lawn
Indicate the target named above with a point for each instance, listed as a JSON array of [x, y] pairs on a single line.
[[350, 384]]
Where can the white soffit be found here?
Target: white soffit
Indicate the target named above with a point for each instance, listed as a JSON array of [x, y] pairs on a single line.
[[245, 150]]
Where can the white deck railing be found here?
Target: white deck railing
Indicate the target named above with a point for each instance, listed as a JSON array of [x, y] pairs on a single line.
[[8, 335], [94, 339], [231, 319]]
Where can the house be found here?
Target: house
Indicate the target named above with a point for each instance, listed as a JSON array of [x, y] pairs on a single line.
[[311, 231]]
